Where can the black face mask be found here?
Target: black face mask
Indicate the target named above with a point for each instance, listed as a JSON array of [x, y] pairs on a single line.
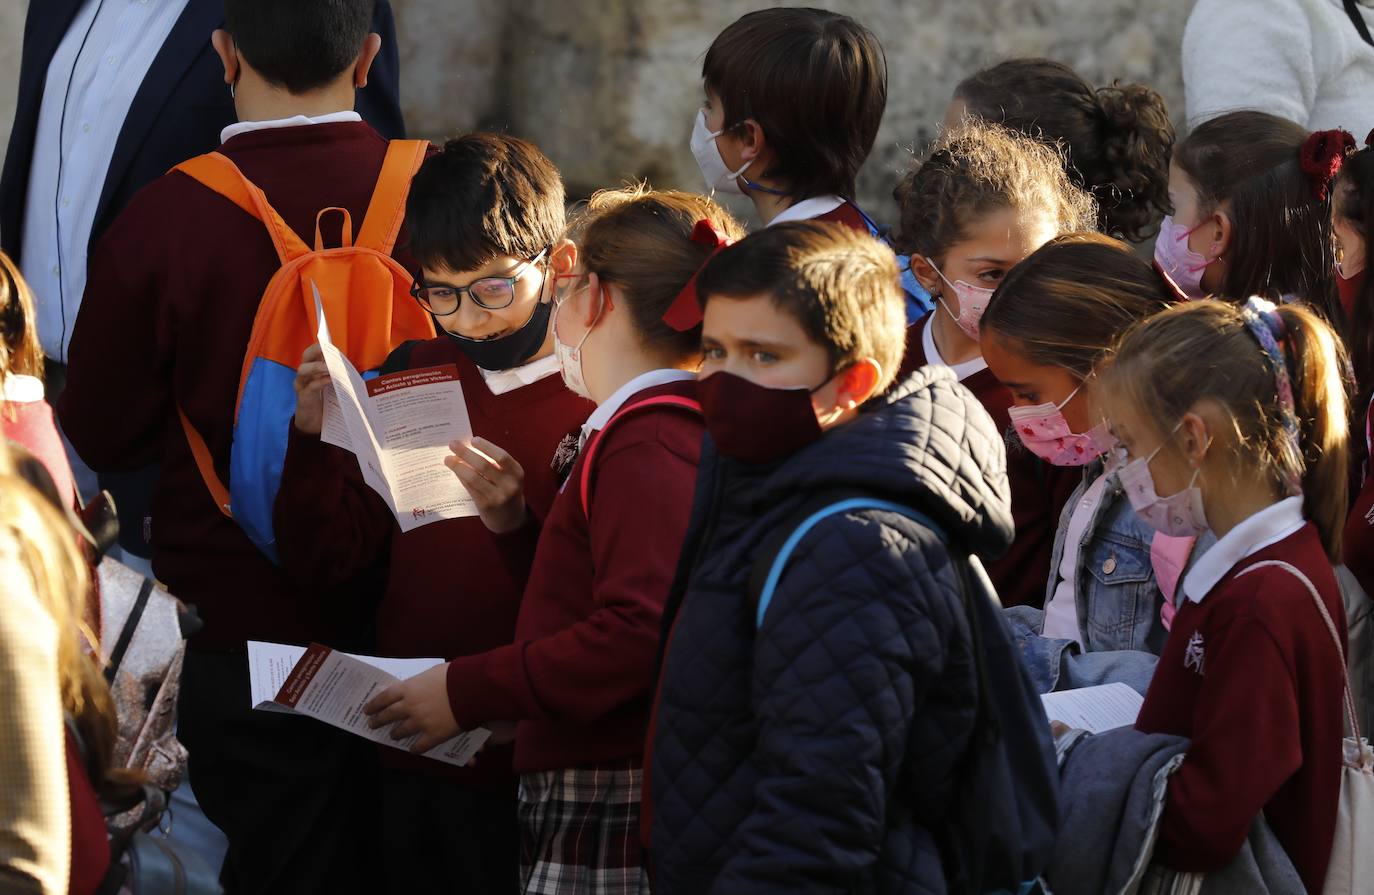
[[512, 350]]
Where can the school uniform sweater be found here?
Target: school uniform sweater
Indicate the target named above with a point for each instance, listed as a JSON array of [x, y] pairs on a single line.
[[1039, 490], [578, 675], [1250, 675], [173, 289], [448, 589]]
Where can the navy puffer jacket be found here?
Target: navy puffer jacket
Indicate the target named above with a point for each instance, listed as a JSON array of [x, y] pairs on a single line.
[[778, 755]]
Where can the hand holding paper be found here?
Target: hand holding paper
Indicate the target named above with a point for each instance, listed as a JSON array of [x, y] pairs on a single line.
[[418, 705], [495, 480]]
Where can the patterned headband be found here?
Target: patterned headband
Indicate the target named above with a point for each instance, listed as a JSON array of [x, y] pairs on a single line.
[[1267, 326]]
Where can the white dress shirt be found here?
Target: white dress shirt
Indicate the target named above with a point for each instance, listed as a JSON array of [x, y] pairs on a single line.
[[808, 209], [933, 358], [501, 381], [92, 79], [609, 407], [1270, 525]]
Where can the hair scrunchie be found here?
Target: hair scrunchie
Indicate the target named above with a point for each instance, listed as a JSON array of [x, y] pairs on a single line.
[[1266, 325], [1321, 157]]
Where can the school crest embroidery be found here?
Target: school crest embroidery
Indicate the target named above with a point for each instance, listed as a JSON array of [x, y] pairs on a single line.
[[563, 458], [1193, 656]]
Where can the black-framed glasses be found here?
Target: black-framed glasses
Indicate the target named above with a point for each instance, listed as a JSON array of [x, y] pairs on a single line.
[[491, 293]]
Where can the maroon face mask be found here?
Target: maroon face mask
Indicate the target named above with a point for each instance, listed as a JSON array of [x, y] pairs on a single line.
[[755, 424]]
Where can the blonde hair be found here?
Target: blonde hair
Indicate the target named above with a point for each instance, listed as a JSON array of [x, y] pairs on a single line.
[[20, 351], [1205, 351], [640, 239], [47, 551]]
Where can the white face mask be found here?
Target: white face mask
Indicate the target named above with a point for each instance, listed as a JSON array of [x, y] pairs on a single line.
[[719, 179], [1178, 515], [570, 358]]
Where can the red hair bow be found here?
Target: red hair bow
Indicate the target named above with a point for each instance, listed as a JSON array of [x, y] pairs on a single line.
[[685, 311], [1321, 158]]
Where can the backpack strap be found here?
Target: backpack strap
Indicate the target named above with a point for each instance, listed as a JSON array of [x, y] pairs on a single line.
[[777, 550], [669, 401], [206, 464], [382, 223], [216, 172], [126, 634]]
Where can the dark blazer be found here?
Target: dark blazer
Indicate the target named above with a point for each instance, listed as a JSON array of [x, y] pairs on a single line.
[[177, 113]]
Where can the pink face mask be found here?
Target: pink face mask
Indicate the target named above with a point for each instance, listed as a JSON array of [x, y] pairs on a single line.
[[1045, 433], [1182, 264], [973, 301], [1178, 515]]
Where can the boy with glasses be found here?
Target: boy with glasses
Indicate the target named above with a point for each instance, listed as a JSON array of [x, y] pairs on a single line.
[[485, 220]]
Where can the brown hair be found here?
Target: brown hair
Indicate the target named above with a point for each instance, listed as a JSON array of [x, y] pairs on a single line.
[[45, 546], [481, 196], [815, 81], [1070, 301], [839, 284], [20, 351], [1280, 233], [978, 168], [1205, 351], [641, 240], [1117, 139]]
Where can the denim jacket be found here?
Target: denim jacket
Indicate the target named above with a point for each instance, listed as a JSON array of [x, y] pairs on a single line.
[[1117, 600]]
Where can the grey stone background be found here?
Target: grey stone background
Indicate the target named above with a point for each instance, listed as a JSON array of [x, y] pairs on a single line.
[[609, 88]]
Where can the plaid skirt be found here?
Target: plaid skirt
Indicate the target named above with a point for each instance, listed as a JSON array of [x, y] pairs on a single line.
[[579, 832]]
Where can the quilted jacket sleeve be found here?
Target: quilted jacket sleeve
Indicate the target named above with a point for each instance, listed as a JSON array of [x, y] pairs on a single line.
[[851, 644]]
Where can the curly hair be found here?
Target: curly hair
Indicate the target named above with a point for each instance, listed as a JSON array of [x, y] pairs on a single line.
[[978, 168], [1117, 139]]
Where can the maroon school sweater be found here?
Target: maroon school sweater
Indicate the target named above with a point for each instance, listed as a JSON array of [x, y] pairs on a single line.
[[577, 677], [1039, 490], [448, 590], [173, 289], [1263, 713]]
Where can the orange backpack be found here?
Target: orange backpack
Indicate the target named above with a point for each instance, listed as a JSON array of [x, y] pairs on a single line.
[[366, 298]]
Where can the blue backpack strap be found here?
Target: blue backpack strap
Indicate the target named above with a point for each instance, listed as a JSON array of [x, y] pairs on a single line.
[[919, 302], [777, 557]]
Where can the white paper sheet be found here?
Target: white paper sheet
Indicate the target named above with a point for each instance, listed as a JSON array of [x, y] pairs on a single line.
[[1094, 709], [333, 687], [399, 426]]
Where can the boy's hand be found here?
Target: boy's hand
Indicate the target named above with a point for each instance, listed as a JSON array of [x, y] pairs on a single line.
[[418, 705], [312, 378], [495, 481]]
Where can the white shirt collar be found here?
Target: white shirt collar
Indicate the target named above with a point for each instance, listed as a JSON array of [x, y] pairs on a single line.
[[501, 381], [608, 408], [807, 209], [933, 358], [21, 389], [245, 127], [1264, 529]]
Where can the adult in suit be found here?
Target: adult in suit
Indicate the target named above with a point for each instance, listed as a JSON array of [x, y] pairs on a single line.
[[112, 94]]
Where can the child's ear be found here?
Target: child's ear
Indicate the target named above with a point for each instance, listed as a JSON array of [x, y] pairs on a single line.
[[859, 383], [752, 142], [925, 274], [1194, 439], [1218, 231], [564, 257], [372, 45], [228, 54]]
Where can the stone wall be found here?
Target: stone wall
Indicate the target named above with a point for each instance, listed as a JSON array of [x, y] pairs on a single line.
[[608, 88]]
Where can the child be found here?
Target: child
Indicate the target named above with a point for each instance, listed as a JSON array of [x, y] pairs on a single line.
[[1234, 419], [789, 735], [173, 291], [985, 199], [577, 678], [1352, 206], [1117, 139], [1249, 198], [794, 98], [485, 221], [1044, 333], [25, 417]]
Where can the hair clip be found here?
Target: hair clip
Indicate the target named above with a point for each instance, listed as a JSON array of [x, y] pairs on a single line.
[[685, 312], [1321, 157]]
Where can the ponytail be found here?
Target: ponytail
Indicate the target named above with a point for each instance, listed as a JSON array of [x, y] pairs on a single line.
[[1317, 366]]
